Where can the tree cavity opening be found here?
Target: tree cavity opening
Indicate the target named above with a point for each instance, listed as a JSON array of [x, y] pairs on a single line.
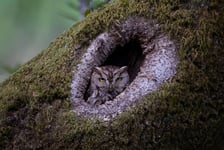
[[136, 43]]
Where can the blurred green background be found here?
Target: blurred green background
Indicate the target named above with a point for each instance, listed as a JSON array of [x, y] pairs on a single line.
[[28, 26]]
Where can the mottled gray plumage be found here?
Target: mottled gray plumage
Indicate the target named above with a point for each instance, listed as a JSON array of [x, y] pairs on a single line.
[[106, 83]]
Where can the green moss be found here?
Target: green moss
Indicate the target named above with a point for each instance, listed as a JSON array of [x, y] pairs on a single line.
[[185, 113]]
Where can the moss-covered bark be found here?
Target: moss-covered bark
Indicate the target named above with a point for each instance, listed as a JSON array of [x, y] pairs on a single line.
[[186, 113]]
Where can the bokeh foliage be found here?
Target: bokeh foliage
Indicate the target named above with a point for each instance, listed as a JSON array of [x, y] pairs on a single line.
[[28, 26]]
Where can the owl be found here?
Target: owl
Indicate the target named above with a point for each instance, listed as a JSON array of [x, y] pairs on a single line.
[[106, 83]]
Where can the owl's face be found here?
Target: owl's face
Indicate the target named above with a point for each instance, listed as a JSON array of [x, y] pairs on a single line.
[[110, 78]]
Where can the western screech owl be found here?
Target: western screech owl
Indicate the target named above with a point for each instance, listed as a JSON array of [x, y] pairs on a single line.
[[106, 83]]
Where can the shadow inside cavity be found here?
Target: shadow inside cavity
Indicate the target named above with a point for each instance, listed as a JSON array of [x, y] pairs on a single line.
[[131, 55]]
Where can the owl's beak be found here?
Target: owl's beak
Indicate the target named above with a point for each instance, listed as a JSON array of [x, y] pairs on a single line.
[[110, 88]]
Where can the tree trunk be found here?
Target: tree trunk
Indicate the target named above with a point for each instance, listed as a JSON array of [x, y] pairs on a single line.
[[43, 105]]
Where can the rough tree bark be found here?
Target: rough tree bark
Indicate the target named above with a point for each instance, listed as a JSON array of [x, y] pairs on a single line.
[[185, 112]]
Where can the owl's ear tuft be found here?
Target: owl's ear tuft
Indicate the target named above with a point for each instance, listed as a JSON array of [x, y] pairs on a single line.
[[123, 69], [97, 70]]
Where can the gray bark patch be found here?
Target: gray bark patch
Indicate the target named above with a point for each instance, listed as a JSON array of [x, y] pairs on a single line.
[[150, 55]]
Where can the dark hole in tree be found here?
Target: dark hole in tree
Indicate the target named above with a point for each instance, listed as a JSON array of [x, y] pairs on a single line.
[[131, 55], [128, 55]]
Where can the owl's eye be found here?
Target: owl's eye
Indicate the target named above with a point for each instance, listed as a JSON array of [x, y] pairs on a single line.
[[101, 79], [119, 79]]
